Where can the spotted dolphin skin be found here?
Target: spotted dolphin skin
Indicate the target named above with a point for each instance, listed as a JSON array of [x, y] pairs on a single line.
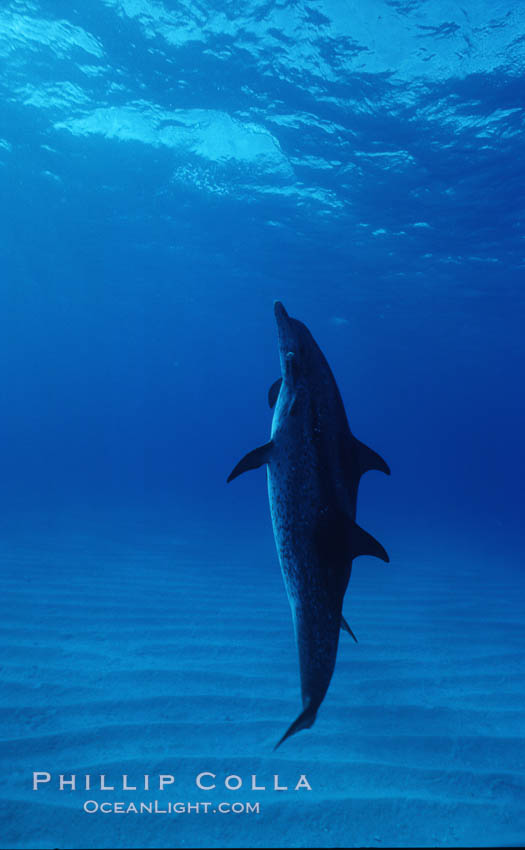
[[314, 466]]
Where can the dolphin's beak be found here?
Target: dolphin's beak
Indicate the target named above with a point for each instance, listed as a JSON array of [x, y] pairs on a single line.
[[285, 337], [283, 327], [280, 312]]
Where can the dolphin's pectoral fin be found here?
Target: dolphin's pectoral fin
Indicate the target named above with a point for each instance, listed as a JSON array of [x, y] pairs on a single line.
[[253, 460], [346, 628], [369, 459], [304, 721], [273, 392], [364, 544]]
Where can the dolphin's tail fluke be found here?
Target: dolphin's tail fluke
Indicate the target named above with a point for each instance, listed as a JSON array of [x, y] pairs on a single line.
[[304, 721]]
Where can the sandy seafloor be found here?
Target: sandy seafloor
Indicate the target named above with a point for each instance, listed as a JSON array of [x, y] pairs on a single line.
[[131, 654]]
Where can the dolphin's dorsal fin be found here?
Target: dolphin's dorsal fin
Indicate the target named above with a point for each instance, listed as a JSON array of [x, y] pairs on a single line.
[[369, 459], [346, 628], [253, 460], [273, 392], [364, 544]]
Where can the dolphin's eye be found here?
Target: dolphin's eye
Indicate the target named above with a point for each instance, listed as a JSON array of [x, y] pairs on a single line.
[[290, 355]]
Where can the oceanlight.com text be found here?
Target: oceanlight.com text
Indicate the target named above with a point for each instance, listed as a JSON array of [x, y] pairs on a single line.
[[153, 807]]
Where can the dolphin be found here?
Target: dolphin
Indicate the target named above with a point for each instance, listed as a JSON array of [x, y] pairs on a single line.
[[314, 464]]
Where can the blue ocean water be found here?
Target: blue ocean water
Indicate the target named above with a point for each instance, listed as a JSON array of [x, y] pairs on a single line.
[[167, 170]]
